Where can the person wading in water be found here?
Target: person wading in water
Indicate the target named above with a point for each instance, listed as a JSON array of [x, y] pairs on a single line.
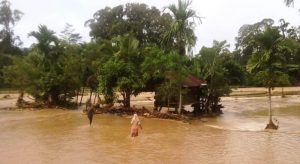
[[135, 124], [89, 111], [90, 114]]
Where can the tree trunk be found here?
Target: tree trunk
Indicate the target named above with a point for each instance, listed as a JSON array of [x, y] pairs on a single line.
[[207, 104], [168, 103], [65, 97], [95, 98], [20, 101], [270, 105], [127, 99], [271, 125], [81, 95], [91, 92], [77, 95], [54, 98], [180, 101]]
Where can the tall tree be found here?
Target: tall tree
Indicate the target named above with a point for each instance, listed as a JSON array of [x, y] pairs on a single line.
[[208, 65], [8, 19], [8, 42], [122, 71], [161, 69], [146, 24], [269, 62], [182, 27], [68, 35], [245, 46], [181, 33]]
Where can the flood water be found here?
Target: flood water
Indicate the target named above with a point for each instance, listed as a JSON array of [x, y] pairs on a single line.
[[238, 136]]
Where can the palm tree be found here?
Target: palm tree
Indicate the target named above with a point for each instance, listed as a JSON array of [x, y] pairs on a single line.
[[181, 34], [48, 46], [269, 62], [182, 27], [46, 39]]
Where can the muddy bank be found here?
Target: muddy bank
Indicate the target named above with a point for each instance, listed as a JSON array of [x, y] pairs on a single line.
[[143, 111], [143, 104], [12, 103]]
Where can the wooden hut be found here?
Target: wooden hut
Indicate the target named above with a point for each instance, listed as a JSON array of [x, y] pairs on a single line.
[[193, 94]]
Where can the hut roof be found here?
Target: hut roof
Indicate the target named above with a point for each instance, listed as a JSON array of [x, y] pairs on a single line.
[[192, 81]]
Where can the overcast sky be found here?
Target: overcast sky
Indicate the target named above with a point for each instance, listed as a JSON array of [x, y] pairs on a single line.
[[222, 18]]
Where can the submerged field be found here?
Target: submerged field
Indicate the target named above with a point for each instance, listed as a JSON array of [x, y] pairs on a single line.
[[63, 136], [237, 136]]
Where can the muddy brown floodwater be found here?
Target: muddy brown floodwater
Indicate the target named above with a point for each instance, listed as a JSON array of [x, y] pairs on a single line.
[[238, 136]]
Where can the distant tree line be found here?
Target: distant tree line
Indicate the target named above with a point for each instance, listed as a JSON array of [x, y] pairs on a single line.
[[135, 46]]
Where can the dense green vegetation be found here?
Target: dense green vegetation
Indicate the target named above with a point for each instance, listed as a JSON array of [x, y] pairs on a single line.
[[134, 48]]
